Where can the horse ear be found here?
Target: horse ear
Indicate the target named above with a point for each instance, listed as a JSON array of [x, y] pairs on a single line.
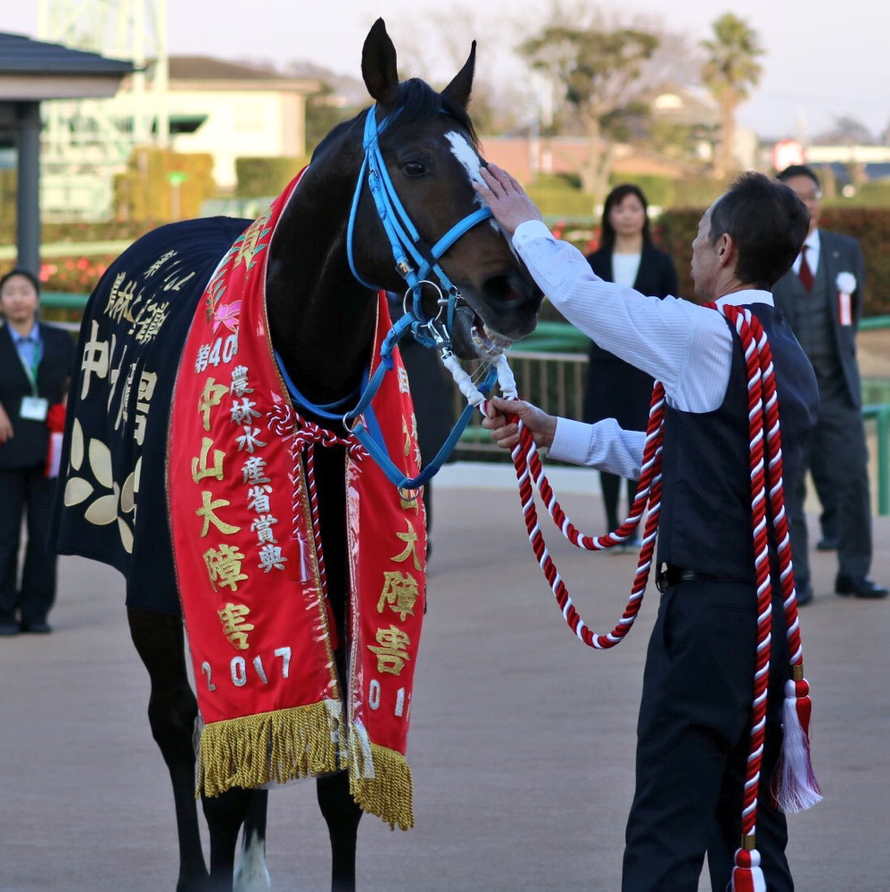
[[458, 91], [379, 68]]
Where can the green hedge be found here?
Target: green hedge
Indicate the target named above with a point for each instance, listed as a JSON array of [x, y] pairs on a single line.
[[160, 184], [870, 225], [561, 201], [666, 192], [258, 177], [79, 231]]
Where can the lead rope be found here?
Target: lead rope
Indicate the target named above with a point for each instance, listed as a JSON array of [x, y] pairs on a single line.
[[796, 787]]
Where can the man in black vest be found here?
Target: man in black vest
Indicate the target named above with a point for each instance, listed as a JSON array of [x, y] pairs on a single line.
[[825, 317], [694, 728]]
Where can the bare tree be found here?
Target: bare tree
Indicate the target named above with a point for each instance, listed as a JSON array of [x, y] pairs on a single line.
[[607, 70], [496, 100]]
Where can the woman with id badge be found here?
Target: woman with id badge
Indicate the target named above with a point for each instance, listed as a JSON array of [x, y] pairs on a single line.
[[35, 365]]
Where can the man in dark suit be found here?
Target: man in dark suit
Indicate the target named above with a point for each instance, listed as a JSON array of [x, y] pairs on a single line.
[[35, 365], [821, 296]]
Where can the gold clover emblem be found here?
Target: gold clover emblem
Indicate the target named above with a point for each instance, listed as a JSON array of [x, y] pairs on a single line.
[[113, 501]]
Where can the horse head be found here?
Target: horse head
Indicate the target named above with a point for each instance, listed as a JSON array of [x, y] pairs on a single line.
[[431, 153], [332, 249]]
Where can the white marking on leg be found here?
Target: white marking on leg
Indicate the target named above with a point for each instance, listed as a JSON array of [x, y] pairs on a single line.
[[251, 874]]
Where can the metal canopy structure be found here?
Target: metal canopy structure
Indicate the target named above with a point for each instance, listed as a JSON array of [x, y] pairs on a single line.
[[31, 71], [87, 142]]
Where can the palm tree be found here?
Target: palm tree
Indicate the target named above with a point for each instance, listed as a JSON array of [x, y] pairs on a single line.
[[730, 70]]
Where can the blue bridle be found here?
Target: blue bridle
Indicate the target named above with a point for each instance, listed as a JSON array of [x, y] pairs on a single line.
[[414, 262]]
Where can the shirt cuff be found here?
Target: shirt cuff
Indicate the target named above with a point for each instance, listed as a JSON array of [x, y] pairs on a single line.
[[529, 231], [571, 441]]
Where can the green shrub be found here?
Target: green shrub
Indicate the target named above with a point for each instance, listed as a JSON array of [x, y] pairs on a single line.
[[259, 177], [870, 225], [561, 202], [163, 185], [667, 192], [874, 194]]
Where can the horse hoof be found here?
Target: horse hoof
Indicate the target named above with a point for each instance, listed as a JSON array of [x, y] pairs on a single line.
[[199, 883]]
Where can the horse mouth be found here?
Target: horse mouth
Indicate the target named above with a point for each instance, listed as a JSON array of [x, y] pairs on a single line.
[[493, 315], [487, 343], [472, 338]]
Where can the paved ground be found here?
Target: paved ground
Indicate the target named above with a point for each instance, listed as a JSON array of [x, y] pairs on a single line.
[[522, 739]]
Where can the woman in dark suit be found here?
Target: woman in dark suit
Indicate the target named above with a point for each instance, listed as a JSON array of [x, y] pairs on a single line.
[[35, 365], [616, 389]]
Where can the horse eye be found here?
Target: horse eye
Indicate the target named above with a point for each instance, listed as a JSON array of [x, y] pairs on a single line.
[[414, 168]]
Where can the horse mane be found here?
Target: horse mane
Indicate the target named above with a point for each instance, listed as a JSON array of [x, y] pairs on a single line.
[[417, 101]]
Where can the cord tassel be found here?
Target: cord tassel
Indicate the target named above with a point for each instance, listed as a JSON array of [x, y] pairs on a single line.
[[796, 786], [747, 875]]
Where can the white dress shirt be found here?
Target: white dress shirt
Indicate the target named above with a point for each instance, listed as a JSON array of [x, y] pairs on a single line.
[[685, 346], [812, 244]]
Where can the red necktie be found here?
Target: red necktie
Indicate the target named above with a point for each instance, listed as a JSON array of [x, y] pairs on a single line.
[[805, 273]]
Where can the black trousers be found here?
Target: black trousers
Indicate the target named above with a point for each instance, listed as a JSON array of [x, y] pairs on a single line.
[[693, 739], [838, 453], [26, 490]]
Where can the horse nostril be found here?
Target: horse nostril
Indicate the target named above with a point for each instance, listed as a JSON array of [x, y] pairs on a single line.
[[500, 288]]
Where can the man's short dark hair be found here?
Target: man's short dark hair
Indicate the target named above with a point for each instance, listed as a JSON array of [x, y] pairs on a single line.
[[798, 170], [767, 223]]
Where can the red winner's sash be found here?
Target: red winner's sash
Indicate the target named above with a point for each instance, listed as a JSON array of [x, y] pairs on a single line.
[[250, 565]]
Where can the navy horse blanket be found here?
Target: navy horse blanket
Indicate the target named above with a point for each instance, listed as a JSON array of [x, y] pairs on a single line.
[[113, 465]]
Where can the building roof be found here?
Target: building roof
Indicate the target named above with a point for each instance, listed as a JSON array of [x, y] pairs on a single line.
[[206, 68], [221, 74], [21, 55]]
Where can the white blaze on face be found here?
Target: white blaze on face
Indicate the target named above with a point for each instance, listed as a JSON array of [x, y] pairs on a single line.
[[471, 163], [467, 155]]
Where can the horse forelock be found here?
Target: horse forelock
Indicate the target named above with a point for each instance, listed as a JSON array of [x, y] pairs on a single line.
[[418, 101]]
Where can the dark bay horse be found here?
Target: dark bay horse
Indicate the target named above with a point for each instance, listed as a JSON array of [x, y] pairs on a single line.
[[322, 322]]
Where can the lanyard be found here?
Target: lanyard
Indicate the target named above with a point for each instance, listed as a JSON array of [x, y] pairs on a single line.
[[31, 369]]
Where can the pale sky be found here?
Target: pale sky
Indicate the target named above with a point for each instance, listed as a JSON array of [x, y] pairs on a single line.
[[823, 59]]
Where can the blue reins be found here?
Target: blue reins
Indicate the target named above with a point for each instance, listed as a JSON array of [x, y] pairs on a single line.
[[414, 262]]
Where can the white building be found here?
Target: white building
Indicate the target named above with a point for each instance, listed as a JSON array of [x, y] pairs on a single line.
[[231, 111], [216, 107]]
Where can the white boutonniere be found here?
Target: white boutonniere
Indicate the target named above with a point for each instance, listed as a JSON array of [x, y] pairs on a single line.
[[846, 285]]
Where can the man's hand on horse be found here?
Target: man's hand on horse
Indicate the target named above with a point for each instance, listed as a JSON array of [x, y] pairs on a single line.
[[505, 431], [506, 198]]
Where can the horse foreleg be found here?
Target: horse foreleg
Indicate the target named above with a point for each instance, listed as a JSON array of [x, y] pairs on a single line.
[[172, 710], [342, 816], [251, 874]]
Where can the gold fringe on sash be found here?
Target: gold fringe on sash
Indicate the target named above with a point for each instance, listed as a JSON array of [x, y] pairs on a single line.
[[384, 787], [272, 746]]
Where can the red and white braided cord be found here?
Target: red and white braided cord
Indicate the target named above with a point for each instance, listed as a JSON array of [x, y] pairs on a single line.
[[284, 421], [766, 469], [528, 467], [306, 437]]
